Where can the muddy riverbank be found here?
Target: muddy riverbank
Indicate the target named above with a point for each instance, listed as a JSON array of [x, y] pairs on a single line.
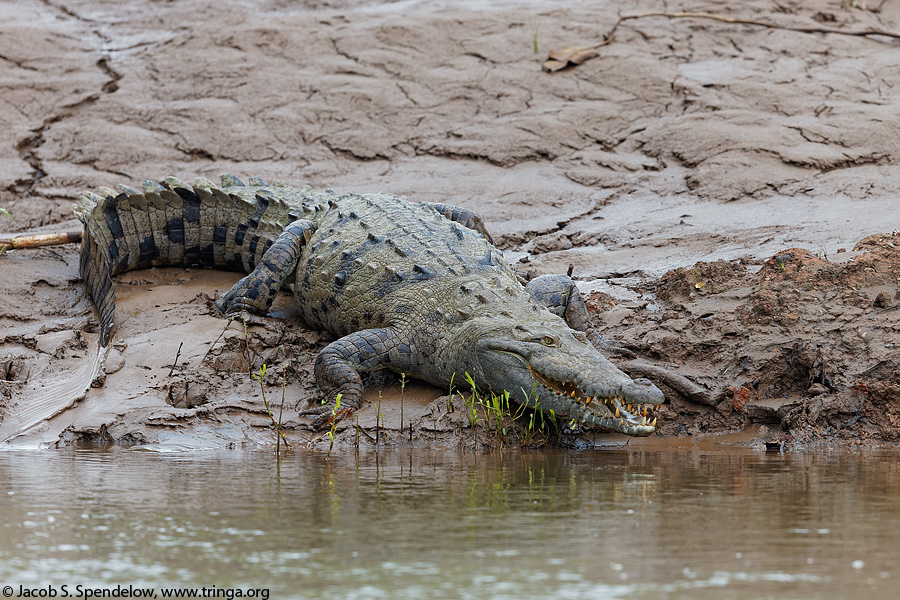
[[725, 193]]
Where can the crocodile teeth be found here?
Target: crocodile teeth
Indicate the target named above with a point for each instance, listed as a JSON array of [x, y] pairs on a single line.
[[644, 412], [643, 421], [653, 422], [617, 411]]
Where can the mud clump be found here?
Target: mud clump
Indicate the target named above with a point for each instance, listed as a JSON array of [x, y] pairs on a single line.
[[805, 343], [703, 278]]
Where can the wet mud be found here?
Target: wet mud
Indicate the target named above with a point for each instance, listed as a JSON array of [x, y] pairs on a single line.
[[725, 196]]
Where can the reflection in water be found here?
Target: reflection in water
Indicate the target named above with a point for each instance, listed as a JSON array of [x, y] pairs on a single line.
[[620, 523]]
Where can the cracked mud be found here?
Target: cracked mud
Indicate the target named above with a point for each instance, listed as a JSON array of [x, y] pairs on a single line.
[[725, 194]]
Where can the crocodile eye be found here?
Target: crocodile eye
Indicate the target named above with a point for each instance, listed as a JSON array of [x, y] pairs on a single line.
[[549, 340]]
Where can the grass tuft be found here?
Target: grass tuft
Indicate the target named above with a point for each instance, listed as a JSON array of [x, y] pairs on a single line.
[[502, 422]]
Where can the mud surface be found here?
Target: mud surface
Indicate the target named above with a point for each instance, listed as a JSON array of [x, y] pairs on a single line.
[[725, 193]]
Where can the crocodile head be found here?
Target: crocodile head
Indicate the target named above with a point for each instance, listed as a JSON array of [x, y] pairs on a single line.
[[548, 366]]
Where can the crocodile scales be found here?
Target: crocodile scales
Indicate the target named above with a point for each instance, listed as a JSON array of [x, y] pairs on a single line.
[[413, 287]]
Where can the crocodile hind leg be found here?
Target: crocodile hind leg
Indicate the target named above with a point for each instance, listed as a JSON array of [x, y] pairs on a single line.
[[253, 295], [339, 364], [463, 216], [559, 294]]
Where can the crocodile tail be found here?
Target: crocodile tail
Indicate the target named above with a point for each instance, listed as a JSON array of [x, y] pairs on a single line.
[[173, 225]]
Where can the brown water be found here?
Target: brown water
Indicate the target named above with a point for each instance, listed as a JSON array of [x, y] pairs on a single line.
[[607, 523]]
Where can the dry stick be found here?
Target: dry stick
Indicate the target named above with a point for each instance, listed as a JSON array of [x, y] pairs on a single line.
[[559, 60], [735, 20], [36, 241], [177, 354]]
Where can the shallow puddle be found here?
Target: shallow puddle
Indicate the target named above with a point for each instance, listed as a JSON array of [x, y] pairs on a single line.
[[414, 523]]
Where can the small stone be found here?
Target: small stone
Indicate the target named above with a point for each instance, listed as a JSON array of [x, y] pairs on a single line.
[[816, 389], [114, 362], [784, 258], [882, 300]]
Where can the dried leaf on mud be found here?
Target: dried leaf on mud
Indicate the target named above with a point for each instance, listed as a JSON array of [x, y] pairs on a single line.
[[568, 57]]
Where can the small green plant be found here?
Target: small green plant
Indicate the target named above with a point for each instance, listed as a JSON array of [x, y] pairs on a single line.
[[334, 422], [6, 212], [535, 30], [450, 394], [471, 412], [276, 423], [378, 416], [402, 389]]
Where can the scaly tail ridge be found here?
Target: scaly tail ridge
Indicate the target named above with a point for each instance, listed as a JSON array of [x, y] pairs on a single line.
[[175, 224]]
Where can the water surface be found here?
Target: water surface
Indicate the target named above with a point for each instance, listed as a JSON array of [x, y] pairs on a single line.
[[610, 523]]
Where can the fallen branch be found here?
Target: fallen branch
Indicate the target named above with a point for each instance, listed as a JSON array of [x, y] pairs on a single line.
[[570, 57], [36, 241]]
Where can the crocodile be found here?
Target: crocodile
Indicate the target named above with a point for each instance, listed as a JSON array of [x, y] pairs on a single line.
[[418, 288]]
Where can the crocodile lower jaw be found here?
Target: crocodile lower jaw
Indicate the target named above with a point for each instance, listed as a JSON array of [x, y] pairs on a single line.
[[609, 411]]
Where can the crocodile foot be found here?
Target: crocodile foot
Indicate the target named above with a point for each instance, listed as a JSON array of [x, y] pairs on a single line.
[[612, 347], [676, 381]]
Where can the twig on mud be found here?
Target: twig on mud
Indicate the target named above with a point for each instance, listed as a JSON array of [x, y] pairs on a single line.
[[39, 240], [570, 57], [177, 354], [208, 350]]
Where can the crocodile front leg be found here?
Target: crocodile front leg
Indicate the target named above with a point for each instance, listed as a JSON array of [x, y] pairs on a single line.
[[339, 364], [560, 294], [254, 293]]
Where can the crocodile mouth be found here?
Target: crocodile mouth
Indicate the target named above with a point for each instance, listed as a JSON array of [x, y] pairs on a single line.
[[607, 408]]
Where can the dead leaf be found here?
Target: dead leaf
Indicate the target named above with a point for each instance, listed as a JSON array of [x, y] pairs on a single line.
[[568, 57]]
